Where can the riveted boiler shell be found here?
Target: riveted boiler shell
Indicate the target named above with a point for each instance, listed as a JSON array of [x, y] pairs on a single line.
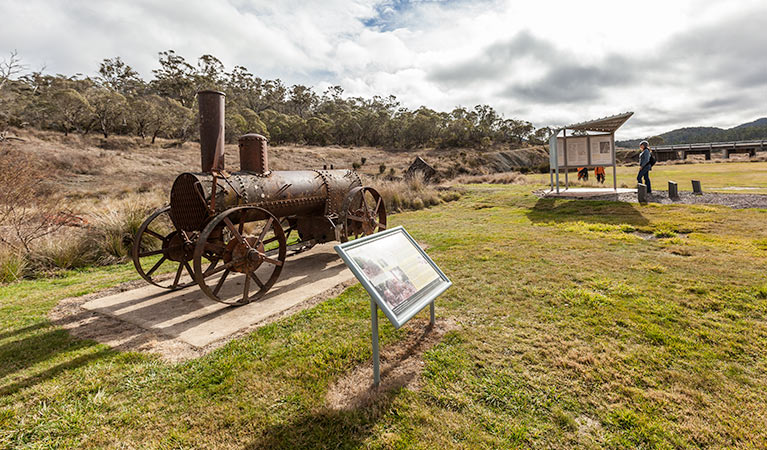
[[282, 193]]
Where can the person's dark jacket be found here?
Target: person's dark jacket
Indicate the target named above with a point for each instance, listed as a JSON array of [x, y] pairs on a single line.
[[644, 159]]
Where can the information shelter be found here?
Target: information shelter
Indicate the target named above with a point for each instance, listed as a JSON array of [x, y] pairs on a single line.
[[590, 144]]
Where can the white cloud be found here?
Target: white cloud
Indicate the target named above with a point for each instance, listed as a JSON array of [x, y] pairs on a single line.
[[689, 62]]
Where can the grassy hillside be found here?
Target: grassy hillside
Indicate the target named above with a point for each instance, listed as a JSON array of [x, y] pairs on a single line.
[[691, 135], [579, 324], [84, 169]]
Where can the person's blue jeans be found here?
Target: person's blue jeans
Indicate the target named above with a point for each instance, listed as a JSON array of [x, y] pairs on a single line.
[[644, 173]]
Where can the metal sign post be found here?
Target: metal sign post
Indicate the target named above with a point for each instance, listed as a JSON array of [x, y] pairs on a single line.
[[374, 327]]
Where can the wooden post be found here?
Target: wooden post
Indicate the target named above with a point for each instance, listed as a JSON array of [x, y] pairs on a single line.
[[642, 193], [696, 189], [673, 190]]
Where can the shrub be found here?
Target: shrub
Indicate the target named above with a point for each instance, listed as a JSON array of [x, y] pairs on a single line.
[[382, 169], [12, 265], [71, 250], [27, 212], [416, 182], [115, 228]]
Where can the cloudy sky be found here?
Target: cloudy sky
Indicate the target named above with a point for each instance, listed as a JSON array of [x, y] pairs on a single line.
[[674, 63]]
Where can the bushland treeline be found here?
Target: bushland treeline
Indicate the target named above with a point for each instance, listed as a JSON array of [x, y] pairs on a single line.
[[119, 101]]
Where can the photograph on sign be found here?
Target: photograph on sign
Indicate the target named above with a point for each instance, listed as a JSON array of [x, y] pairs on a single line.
[[396, 272], [601, 150]]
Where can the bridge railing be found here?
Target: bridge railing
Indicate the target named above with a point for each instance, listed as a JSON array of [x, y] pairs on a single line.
[[761, 144]]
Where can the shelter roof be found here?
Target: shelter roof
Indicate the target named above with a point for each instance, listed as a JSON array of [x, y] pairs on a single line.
[[606, 124]]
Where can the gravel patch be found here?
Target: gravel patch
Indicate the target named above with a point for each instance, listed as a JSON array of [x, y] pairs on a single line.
[[737, 201]]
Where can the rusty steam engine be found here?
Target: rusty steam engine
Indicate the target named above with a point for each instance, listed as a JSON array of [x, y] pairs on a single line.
[[235, 229]]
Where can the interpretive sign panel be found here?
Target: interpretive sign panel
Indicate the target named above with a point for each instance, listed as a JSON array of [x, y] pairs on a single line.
[[395, 271], [585, 151], [577, 150], [601, 150]]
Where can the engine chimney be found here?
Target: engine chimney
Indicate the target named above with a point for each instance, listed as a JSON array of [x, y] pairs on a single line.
[[211, 129], [254, 153]]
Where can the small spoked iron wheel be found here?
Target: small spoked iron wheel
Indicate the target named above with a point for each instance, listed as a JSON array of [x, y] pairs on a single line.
[[250, 244], [363, 213], [158, 247]]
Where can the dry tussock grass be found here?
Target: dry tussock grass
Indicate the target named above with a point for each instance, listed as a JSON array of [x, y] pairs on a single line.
[[105, 236], [494, 178], [412, 193]]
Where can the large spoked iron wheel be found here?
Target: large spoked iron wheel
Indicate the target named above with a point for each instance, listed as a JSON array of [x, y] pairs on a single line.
[[363, 213], [252, 254], [158, 247]]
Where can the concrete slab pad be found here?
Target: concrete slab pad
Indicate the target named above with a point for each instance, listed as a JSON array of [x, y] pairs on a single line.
[[588, 192], [190, 316]]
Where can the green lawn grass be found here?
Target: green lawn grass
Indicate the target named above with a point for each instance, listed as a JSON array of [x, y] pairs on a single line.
[[714, 176], [581, 325]]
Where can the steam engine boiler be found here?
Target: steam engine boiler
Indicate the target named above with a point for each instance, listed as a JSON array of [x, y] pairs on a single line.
[[227, 229]]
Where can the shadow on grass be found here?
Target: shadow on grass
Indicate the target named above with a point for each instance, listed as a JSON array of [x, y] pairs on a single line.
[[26, 352], [27, 329], [54, 371], [589, 211], [363, 406], [42, 343], [326, 428]]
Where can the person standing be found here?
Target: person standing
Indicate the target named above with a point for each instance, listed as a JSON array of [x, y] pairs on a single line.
[[599, 172], [645, 165]]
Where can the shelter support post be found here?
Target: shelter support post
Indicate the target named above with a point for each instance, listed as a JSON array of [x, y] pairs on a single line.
[[551, 176], [556, 166], [567, 166], [615, 166]]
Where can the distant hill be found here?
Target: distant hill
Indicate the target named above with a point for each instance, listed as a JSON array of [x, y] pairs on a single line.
[[691, 135], [757, 123]]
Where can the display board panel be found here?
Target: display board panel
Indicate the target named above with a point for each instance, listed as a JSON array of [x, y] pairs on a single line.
[[577, 151], [601, 150], [395, 271], [586, 151]]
